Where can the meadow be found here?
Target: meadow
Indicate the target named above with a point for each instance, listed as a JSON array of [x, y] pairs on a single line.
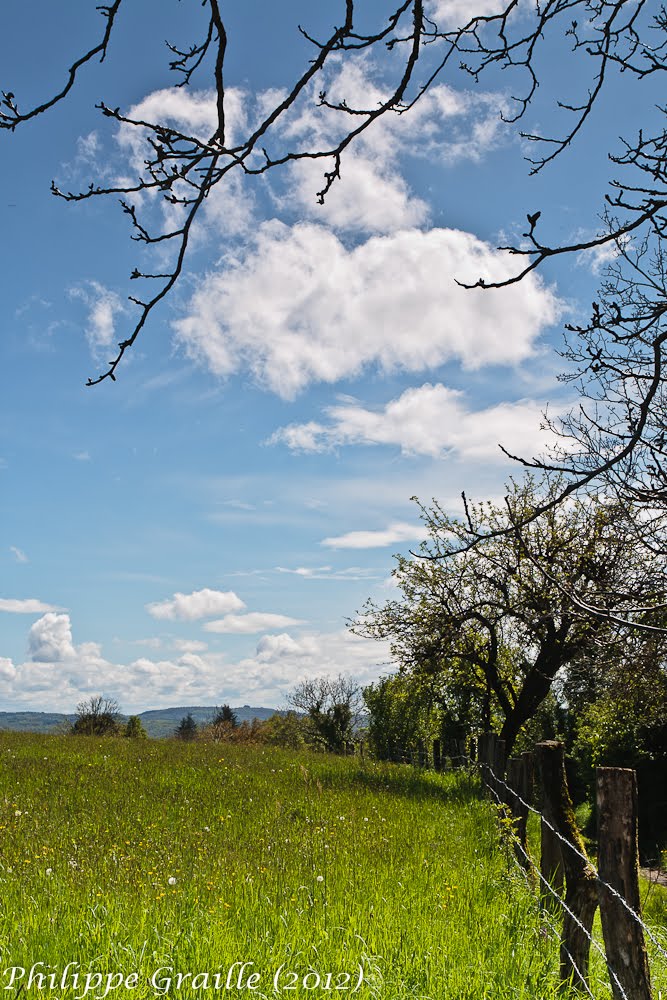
[[160, 868]]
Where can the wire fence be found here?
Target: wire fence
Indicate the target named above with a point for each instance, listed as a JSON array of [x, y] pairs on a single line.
[[627, 965]]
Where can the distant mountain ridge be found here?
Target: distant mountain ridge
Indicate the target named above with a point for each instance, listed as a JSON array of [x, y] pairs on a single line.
[[158, 722]]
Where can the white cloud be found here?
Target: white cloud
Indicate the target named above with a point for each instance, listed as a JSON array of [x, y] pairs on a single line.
[[60, 673], [428, 420], [276, 647], [255, 621], [328, 573], [28, 606], [369, 197], [199, 604], [7, 669], [398, 531], [298, 307], [190, 645], [50, 639], [18, 554], [103, 308], [450, 14], [372, 195], [228, 209]]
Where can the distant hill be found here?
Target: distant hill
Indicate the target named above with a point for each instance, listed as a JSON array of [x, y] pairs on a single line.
[[158, 722]]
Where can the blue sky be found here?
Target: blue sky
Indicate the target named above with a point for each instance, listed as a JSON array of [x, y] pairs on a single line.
[[199, 530]]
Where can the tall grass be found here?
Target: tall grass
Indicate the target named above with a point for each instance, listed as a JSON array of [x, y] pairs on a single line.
[[125, 857]]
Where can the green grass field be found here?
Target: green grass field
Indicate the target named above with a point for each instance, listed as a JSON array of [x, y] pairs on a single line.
[[142, 861]]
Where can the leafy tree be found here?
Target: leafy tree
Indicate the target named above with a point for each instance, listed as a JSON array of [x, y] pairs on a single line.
[[134, 729], [491, 621], [187, 728], [97, 716], [414, 46], [332, 706], [286, 729], [402, 713]]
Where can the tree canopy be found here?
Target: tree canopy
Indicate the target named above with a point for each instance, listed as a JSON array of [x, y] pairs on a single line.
[[98, 715], [495, 623]]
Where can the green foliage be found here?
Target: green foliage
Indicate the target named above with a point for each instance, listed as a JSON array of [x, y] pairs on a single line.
[[489, 613], [98, 716], [401, 715], [332, 709], [286, 729], [134, 729]]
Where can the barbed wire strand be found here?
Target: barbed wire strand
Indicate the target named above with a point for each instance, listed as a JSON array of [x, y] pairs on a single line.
[[407, 755], [567, 910], [617, 895]]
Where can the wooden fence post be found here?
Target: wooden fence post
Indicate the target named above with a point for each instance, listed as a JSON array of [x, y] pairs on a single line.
[[520, 779], [437, 755], [484, 752], [581, 896], [618, 865], [551, 866]]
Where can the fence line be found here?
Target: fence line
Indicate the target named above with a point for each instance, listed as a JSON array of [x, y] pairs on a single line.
[[598, 879], [582, 978], [625, 949], [474, 764], [623, 944]]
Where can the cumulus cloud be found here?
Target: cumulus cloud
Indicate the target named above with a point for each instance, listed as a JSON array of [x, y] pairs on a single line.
[[199, 604], [50, 639], [457, 13], [372, 195], [27, 606], [254, 621], [369, 198], [228, 210], [428, 420], [7, 669], [398, 531], [60, 673], [298, 307]]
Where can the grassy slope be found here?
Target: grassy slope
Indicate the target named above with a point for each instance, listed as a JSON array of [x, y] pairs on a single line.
[[129, 856]]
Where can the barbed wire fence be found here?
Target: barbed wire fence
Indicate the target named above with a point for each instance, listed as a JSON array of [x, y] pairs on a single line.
[[569, 884]]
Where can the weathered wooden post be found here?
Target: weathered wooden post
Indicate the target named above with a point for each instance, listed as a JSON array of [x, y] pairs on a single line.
[[551, 866], [618, 866], [484, 755], [437, 756], [498, 765], [581, 897], [520, 779]]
